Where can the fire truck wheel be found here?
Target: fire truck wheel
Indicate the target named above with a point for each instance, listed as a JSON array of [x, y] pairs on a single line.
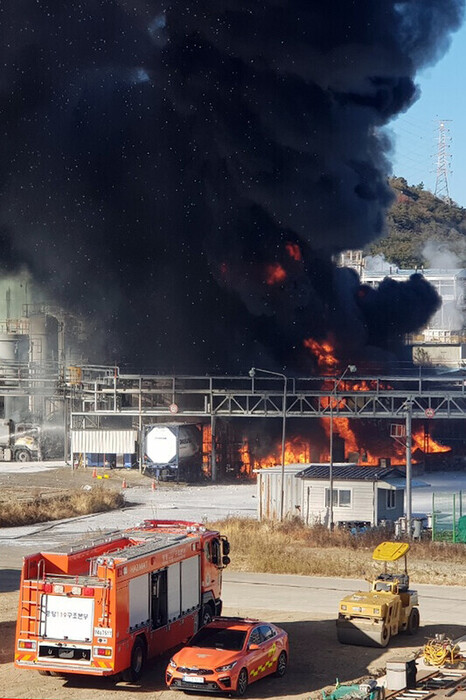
[[138, 659], [207, 614], [413, 621], [241, 683]]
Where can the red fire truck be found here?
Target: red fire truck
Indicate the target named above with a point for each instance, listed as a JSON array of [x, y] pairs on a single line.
[[104, 607]]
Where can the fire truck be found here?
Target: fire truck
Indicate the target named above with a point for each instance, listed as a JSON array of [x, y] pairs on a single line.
[[104, 607]]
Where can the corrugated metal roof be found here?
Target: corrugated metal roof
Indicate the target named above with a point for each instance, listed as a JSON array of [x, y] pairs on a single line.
[[349, 472], [289, 469], [300, 467]]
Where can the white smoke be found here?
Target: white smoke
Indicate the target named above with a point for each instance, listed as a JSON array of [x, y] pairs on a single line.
[[378, 263], [439, 257]]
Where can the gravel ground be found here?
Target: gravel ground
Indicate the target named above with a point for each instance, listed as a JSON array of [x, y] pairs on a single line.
[[317, 659]]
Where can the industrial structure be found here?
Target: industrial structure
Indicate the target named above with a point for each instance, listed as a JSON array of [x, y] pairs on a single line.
[[447, 324], [442, 341], [107, 411], [37, 341]]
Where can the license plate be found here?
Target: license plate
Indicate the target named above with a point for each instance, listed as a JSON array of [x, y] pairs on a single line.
[[193, 679]]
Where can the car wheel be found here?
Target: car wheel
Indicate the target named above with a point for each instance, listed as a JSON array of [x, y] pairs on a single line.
[[413, 621], [242, 683], [138, 659], [44, 673], [281, 665]]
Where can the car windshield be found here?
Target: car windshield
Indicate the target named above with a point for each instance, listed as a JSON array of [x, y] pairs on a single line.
[[218, 638]]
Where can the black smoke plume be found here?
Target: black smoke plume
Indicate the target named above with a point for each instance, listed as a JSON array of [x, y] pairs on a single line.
[[181, 173]]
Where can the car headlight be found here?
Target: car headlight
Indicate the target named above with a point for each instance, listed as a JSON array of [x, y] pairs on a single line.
[[376, 611], [172, 664], [228, 667], [343, 607]]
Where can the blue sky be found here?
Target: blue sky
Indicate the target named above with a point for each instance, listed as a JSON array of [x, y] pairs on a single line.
[[443, 97]]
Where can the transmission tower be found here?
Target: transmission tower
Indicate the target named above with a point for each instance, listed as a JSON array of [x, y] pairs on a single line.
[[443, 160]]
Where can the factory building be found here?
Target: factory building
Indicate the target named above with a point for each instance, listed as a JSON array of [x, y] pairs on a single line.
[[38, 340], [443, 340]]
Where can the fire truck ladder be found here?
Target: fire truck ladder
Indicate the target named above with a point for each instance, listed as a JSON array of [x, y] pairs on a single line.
[[107, 538], [32, 585], [154, 544]]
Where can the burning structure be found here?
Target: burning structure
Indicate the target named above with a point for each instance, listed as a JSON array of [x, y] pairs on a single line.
[[183, 164], [167, 166]]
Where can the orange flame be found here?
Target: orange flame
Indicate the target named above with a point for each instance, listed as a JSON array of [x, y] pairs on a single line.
[[323, 352], [296, 452], [294, 251], [247, 464], [274, 273], [348, 385], [427, 444], [206, 449], [298, 449], [341, 426]]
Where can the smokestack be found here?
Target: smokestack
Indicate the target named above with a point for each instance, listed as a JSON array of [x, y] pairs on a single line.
[[183, 174]]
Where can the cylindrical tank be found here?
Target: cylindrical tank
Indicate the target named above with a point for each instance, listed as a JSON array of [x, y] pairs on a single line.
[[9, 344], [38, 338], [43, 339], [417, 528], [10, 351]]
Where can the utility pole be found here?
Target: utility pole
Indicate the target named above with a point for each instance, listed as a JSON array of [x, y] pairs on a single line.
[[409, 477], [403, 434], [443, 160], [333, 397]]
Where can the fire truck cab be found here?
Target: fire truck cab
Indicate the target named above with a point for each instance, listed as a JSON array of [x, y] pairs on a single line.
[[104, 607]]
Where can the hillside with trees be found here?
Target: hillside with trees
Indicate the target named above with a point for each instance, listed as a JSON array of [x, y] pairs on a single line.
[[418, 219]]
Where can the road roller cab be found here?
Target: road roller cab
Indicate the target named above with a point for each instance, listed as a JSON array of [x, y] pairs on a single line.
[[372, 617]]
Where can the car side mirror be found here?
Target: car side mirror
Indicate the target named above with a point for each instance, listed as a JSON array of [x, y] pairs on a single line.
[[253, 647], [226, 561]]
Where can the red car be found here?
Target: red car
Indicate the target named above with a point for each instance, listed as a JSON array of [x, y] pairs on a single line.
[[228, 654]]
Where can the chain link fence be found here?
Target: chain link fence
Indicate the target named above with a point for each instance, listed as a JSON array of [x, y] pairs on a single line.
[[449, 517]]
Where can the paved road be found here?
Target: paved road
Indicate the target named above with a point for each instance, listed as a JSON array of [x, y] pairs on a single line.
[[309, 594], [316, 595]]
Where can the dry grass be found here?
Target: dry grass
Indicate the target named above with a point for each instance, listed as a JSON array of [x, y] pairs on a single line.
[[66, 505], [291, 548]]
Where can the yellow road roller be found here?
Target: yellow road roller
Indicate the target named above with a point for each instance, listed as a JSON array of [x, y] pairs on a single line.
[[371, 618]]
